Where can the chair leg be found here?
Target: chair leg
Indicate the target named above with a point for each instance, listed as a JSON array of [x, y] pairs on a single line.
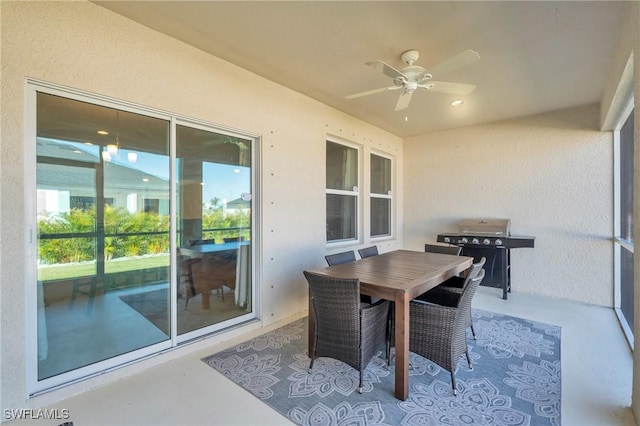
[[469, 359], [360, 385], [473, 331], [453, 384], [311, 364]]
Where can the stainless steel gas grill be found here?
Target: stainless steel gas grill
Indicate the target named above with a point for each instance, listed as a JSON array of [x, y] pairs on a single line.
[[492, 239]]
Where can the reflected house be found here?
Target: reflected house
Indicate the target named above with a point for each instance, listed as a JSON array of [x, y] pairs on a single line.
[[128, 187], [238, 205], [67, 179]]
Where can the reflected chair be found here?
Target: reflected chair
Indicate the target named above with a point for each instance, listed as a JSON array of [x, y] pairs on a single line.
[[201, 242], [438, 331], [345, 329], [233, 239], [88, 286], [368, 252], [186, 276], [434, 248], [449, 291]]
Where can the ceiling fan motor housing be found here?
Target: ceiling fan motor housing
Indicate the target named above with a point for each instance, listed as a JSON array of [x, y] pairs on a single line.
[[410, 87], [410, 56]]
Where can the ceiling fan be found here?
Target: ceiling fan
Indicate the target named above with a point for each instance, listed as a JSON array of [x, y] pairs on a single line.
[[414, 77]]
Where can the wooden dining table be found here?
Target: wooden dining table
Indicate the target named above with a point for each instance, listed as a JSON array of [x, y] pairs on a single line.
[[398, 276]]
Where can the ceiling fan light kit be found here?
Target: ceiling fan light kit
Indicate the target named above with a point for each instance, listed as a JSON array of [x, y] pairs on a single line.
[[414, 77]]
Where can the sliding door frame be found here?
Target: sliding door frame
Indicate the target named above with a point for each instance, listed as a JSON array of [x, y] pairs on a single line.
[[35, 386]]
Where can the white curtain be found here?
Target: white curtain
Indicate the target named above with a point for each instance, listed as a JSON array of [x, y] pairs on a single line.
[[43, 343], [243, 276]]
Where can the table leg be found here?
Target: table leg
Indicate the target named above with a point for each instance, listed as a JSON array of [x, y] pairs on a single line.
[[205, 300], [402, 346]]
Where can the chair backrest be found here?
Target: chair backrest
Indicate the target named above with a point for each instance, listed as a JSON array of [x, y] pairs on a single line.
[[233, 239], [475, 270], [464, 304], [434, 248], [368, 252], [336, 307], [338, 258]]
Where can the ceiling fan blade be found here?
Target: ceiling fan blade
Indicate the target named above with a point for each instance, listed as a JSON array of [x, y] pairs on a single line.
[[446, 87], [403, 101], [386, 69], [372, 92], [460, 60]]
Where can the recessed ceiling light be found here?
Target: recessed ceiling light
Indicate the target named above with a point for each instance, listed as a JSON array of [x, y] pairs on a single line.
[[88, 143], [145, 179], [103, 132], [457, 102]]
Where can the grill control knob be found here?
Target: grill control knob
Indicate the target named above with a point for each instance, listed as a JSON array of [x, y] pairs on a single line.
[[464, 241], [475, 241], [486, 241], [447, 239], [498, 242]]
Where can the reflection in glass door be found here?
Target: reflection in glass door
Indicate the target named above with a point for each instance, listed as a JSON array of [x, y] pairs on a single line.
[[214, 227], [103, 233], [110, 216]]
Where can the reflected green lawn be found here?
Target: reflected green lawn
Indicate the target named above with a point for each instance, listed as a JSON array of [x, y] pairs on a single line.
[[62, 271]]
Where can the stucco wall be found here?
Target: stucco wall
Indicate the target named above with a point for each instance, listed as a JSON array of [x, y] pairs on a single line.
[[550, 174], [84, 46]]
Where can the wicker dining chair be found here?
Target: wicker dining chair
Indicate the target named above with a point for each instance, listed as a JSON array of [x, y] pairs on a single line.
[[449, 291], [346, 257], [345, 329], [368, 252], [438, 332], [185, 279], [338, 258], [434, 248]]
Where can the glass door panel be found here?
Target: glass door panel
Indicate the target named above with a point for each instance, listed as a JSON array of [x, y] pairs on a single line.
[[214, 227], [103, 233]]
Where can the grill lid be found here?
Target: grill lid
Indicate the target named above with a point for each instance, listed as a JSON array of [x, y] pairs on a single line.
[[501, 227]]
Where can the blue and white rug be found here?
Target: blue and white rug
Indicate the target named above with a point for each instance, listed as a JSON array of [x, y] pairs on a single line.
[[515, 379]]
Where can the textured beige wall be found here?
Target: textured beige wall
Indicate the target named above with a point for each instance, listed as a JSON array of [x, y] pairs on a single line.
[[84, 46], [550, 174]]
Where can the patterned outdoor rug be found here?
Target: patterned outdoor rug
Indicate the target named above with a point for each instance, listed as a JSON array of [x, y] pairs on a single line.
[[515, 379]]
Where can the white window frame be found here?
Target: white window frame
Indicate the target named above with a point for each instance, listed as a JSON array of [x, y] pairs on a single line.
[[620, 243], [356, 192], [388, 196]]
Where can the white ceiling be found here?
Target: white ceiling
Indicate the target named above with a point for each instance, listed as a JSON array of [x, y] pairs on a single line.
[[535, 56]]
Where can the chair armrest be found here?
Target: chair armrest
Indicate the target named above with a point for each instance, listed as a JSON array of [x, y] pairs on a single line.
[[433, 310]]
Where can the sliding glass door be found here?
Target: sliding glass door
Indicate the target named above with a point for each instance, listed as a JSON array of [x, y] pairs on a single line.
[[624, 244], [214, 226], [103, 233], [144, 234]]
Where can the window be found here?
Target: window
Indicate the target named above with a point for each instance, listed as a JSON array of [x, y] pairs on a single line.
[[342, 192], [380, 196], [624, 240], [151, 205]]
